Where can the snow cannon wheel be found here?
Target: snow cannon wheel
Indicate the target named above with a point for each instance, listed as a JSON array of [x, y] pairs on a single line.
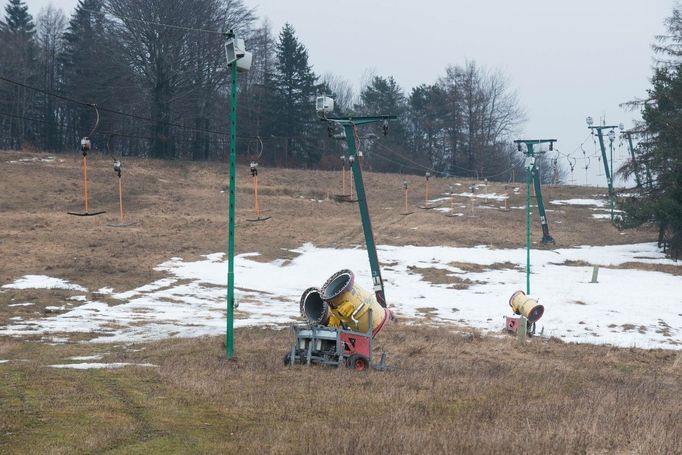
[[358, 362]]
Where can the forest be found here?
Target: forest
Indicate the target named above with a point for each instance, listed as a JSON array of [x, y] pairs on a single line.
[[156, 74]]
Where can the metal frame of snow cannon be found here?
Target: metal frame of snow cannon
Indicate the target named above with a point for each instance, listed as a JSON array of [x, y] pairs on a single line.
[[320, 345]]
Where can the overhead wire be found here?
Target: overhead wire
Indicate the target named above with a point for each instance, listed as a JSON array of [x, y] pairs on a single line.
[[418, 166], [161, 24], [124, 114], [73, 128]]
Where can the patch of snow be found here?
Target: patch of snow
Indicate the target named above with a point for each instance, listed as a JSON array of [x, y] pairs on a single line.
[[20, 304], [104, 291], [491, 196], [593, 202], [86, 357], [55, 308], [78, 298], [88, 366], [158, 284], [3, 361], [43, 282], [268, 294]]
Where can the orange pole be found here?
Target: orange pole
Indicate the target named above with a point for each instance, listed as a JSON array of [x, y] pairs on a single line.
[[255, 195], [351, 189], [120, 199], [343, 180], [85, 181]]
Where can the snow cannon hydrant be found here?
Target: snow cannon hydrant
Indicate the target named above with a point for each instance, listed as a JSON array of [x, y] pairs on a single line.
[[342, 320], [351, 304], [530, 311]]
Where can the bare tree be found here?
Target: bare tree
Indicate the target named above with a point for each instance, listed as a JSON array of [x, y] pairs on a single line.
[[51, 25]]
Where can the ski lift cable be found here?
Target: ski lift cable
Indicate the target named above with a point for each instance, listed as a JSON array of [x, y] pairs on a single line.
[[72, 128], [116, 112], [160, 24], [421, 167]]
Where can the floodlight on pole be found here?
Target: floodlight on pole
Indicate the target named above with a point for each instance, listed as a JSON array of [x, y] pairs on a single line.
[[589, 121]]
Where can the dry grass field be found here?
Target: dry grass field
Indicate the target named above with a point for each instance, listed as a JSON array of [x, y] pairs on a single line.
[[449, 389]]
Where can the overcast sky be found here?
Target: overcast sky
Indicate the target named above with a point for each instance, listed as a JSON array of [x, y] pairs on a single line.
[[566, 59]]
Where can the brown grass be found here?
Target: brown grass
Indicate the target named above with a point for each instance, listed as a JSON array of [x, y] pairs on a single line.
[[446, 392], [449, 391]]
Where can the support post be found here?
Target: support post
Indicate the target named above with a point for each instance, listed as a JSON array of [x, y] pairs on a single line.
[[634, 160], [608, 167], [528, 179], [532, 175], [378, 284], [546, 238], [229, 341]]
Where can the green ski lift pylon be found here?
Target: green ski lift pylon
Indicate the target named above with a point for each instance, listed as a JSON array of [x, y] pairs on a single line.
[[608, 167], [238, 59], [324, 106], [86, 146], [533, 175], [636, 164]]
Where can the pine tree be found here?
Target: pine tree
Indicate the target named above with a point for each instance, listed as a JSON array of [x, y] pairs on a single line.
[[295, 87], [18, 62], [661, 154], [383, 96]]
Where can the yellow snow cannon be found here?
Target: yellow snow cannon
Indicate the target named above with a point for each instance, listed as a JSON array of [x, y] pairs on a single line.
[[526, 306], [351, 304], [315, 310]]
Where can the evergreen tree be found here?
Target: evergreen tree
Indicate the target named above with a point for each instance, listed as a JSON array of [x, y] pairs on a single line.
[[383, 96], [661, 201], [661, 153], [18, 61], [294, 85]]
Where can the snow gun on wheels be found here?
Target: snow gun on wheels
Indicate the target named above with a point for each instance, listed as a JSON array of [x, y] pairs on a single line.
[[342, 318]]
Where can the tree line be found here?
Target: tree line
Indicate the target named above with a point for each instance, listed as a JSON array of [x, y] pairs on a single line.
[[658, 162], [156, 71]]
